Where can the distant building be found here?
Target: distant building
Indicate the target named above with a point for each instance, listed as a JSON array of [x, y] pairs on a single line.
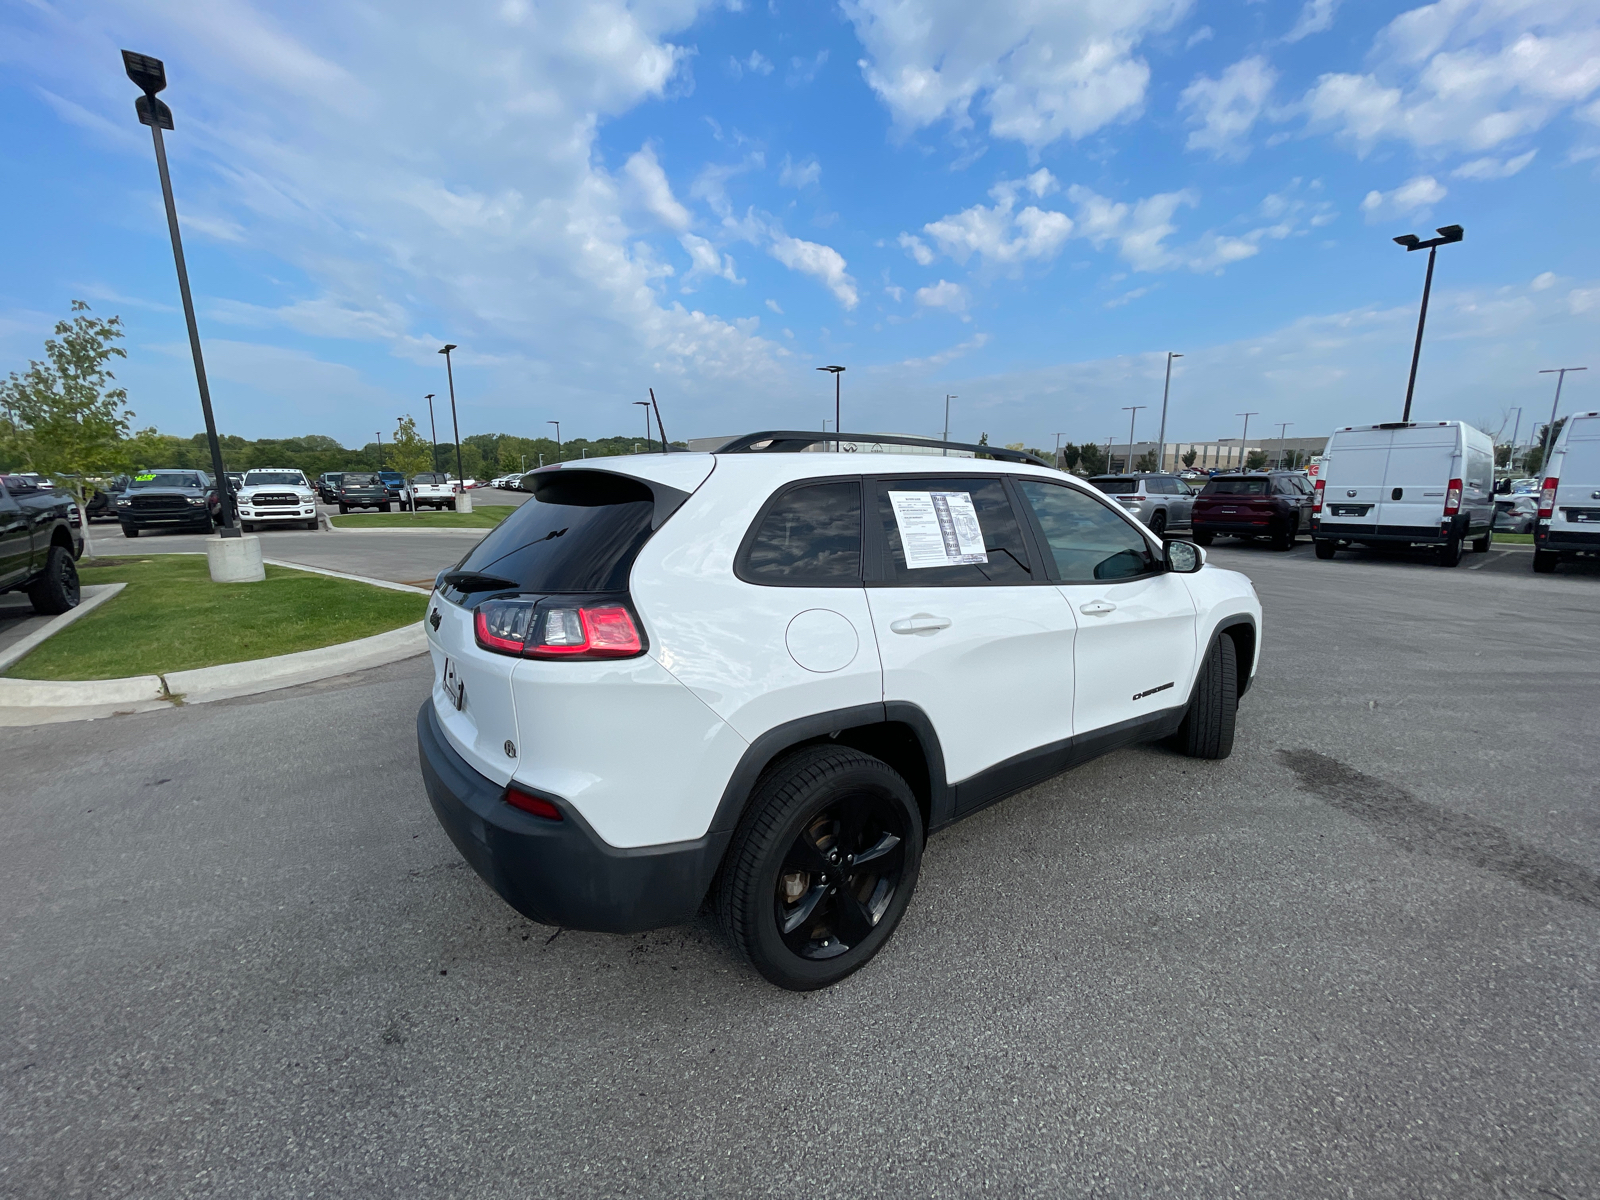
[[1222, 454]]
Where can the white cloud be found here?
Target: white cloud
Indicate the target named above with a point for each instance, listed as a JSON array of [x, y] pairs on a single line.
[[1412, 197], [707, 260], [1204, 34], [1227, 108], [775, 307], [1138, 230], [1315, 17], [999, 234], [916, 248], [822, 262], [756, 64], [1465, 74], [951, 297], [976, 342], [803, 70], [1492, 168], [654, 192], [799, 175], [1543, 280], [1040, 71]]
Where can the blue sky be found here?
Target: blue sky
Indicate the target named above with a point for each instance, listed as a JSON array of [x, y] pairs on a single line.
[[1025, 204]]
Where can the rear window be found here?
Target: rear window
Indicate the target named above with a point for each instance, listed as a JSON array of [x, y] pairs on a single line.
[[811, 536], [580, 533], [427, 478], [356, 480], [1116, 487], [1236, 487]]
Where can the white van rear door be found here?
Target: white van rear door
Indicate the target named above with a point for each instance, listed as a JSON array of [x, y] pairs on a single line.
[[1353, 471], [1421, 462], [1578, 494]]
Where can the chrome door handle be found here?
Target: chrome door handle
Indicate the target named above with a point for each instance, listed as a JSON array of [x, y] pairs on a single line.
[[922, 623], [1097, 608]]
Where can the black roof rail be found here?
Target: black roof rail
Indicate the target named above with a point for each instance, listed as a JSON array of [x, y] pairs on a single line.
[[792, 441]]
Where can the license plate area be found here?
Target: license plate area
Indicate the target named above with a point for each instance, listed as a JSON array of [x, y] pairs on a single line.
[[455, 688], [1350, 510], [1582, 516]]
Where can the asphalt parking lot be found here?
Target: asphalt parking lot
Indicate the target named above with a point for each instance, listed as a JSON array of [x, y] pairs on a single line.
[[1357, 959]]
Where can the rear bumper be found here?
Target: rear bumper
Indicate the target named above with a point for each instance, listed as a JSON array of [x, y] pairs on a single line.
[[560, 872], [1413, 535], [1563, 540], [1256, 528]]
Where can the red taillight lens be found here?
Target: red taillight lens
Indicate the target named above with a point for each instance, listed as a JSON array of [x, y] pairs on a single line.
[[1452, 498], [1316, 504], [502, 625], [537, 805], [1547, 498], [531, 630]]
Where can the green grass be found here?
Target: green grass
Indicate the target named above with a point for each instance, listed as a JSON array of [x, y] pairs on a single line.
[[1513, 539], [171, 617], [486, 517]]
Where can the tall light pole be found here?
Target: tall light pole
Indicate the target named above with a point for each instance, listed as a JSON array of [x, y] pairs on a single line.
[[455, 425], [1511, 460], [1133, 415], [645, 404], [557, 424], [1447, 234], [1059, 436], [1245, 436], [948, 396], [835, 372], [1161, 438], [1283, 427], [1550, 430], [380, 449], [150, 76], [433, 437]]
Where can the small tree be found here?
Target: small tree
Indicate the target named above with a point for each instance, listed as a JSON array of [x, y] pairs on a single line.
[[1189, 456], [1093, 459], [1070, 455], [65, 421], [1147, 462], [1255, 460], [410, 453]]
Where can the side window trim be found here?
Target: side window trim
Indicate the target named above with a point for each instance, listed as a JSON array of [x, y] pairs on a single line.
[[1157, 550], [746, 543]]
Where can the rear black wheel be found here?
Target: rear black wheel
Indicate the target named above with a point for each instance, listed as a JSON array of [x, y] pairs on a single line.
[[1325, 549], [1203, 537], [1285, 540], [1158, 523], [1450, 553], [1544, 561], [56, 591], [383, 507], [1207, 729], [344, 508], [822, 866]]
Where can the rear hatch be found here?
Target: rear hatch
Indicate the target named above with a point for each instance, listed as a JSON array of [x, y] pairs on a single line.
[[1577, 506], [1352, 475], [1244, 500], [1422, 461]]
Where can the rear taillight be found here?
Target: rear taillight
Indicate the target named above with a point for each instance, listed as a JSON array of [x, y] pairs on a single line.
[[1547, 498], [551, 629], [1316, 504], [1452, 498], [537, 805]]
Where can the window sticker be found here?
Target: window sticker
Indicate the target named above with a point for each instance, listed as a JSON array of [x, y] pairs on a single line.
[[143, 478], [938, 529]]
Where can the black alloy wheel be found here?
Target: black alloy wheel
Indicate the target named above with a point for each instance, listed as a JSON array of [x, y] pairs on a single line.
[[822, 867], [56, 591], [129, 531], [1158, 523]]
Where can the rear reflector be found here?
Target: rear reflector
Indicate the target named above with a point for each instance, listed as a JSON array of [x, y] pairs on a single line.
[[537, 805], [1547, 498], [1316, 504]]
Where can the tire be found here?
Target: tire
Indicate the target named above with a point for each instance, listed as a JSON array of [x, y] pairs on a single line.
[[858, 803], [1481, 545], [344, 508], [1450, 553], [1207, 729], [1325, 549], [56, 591], [312, 523], [1203, 537], [1544, 561], [1285, 540], [1158, 523], [385, 507], [129, 531]]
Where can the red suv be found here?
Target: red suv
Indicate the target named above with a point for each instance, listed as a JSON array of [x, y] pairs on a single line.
[[1251, 504]]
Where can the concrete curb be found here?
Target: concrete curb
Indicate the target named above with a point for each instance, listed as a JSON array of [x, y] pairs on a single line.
[[206, 684], [67, 693], [92, 598]]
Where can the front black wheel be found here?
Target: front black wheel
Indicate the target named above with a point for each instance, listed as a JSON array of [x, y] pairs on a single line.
[[822, 866], [1207, 729], [129, 531], [1481, 545], [56, 591]]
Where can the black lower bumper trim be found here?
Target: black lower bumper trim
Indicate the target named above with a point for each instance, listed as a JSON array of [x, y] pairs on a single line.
[[561, 872]]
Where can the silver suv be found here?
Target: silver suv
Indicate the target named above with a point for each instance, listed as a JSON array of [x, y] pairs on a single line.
[[1161, 501]]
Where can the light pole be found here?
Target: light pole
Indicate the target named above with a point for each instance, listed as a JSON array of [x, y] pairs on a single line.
[[645, 404], [460, 490], [1511, 460], [1161, 438], [1283, 427], [1447, 234], [1133, 415], [1243, 437], [433, 437], [1550, 430], [835, 372], [948, 396], [380, 449], [150, 76], [1059, 436], [557, 424]]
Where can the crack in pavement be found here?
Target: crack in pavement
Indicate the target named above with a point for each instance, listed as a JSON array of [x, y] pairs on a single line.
[[1425, 828]]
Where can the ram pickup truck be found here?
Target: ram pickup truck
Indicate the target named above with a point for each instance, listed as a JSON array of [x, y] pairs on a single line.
[[39, 544], [168, 499]]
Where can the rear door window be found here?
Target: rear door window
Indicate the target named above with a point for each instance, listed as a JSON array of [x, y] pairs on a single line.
[[950, 531], [810, 536], [1236, 487], [1088, 540]]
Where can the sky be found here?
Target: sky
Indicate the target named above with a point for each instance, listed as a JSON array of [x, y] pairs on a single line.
[[1021, 203]]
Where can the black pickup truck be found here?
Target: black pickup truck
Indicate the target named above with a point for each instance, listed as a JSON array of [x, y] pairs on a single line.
[[168, 499], [39, 544], [362, 489]]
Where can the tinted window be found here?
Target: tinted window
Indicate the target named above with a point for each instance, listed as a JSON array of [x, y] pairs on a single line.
[[1116, 487], [1236, 487], [257, 478], [1161, 487], [994, 552], [810, 535], [579, 533], [165, 479], [428, 478], [1088, 541], [354, 480]]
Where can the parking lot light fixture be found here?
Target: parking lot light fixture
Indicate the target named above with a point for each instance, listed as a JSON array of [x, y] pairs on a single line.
[[557, 424], [645, 404], [1283, 427], [1447, 235], [1161, 437], [455, 425], [948, 396], [836, 371], [1133, 415], [149, 75], [433, 437], [1245, 436]]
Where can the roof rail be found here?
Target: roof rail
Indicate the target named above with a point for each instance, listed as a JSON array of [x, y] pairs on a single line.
[[791, 441]]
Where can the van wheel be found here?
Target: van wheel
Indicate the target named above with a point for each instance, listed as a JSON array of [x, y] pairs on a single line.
[[822, 866], [1325, 549], [1203, 537], [1544, 561], [1450, 553], [1207, 729], [1481, 545], [56, 591]]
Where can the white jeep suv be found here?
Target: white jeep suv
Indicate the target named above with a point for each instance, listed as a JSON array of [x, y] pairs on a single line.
[[765, 677], [276, 495]]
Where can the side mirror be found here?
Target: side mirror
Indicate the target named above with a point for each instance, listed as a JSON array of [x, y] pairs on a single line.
[[1185, 558]]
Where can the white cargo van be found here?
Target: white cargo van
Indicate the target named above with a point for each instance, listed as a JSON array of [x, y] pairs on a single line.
[[1569, 500], [1406, 483]]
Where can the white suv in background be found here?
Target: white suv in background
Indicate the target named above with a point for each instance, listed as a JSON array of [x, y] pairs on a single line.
[[766, 677], [276, 496]]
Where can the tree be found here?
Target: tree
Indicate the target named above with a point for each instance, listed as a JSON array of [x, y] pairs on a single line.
[[410, 452], [63, 417], [1147, 462], [1189, 456], [1092, 458], [1534, 462], [1255, 460], [1070, 455]]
